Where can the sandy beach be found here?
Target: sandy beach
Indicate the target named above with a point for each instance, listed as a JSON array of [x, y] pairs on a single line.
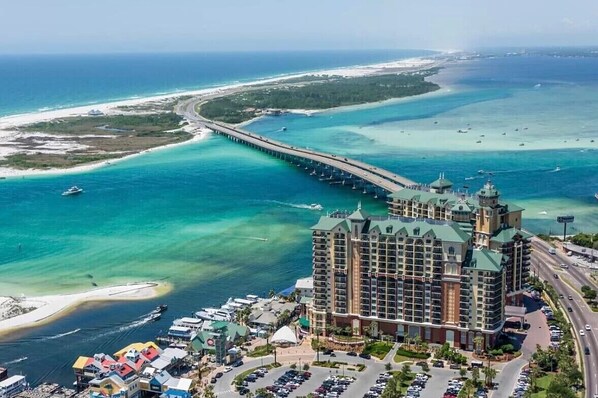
[[9, 123], [49, 308]]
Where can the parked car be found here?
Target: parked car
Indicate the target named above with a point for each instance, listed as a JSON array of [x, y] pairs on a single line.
[[555, 276], [218, 375], [365, 356], [352, 354], [438, 364], [213, 380]]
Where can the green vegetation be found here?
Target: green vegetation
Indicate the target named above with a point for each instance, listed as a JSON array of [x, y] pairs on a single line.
[[241, 376], [378, 349], [545, 383], [324, 93], [589, 294], [138, 125], [48, 160], [586, 240], [329, 364], [401, 352], [261, 351], [397, 385], [94, 139], [450, 354]]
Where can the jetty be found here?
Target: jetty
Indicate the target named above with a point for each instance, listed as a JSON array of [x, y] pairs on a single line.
[[326, 167]]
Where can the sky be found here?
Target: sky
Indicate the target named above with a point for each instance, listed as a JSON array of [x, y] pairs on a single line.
[[85, 26]]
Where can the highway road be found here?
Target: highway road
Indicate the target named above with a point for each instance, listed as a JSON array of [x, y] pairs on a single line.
[[546, 266]]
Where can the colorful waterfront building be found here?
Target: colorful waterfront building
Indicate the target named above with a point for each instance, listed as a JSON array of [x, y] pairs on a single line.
[[402, 276], [100, 371]]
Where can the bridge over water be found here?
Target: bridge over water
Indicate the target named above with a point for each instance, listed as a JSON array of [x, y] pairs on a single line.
[[327, 167]]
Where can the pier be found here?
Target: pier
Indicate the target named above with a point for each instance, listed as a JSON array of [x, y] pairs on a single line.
[[326, 167]]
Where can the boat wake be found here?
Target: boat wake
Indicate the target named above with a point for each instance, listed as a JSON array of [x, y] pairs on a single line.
[[63, 334], [313, 206], [124, 328], [16, 360], [253, 238]]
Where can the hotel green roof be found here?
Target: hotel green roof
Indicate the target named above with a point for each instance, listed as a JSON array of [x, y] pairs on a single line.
[[444, 230], [329, 223], [441, 183], [486, 260], [430, 197], [507, 235]]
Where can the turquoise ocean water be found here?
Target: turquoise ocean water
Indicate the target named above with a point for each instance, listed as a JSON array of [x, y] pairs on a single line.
[[217, 219]]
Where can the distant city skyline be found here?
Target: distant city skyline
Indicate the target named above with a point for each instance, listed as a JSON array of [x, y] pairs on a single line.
[[66, 26]]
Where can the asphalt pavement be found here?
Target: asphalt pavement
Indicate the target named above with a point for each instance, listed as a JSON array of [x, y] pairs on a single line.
[[546, 265]]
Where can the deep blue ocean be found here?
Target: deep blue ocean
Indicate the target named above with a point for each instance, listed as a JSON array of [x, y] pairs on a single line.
[[216, 219], [29, 83]]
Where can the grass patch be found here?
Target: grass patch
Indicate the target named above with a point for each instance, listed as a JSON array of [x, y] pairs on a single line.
[[542, 385], [95, 139], [377, 349], [241, 376], [329, 364], [401, 358], [261, 351], [411, 354]]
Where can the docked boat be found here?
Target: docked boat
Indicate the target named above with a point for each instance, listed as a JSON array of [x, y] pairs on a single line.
[[74, 190]]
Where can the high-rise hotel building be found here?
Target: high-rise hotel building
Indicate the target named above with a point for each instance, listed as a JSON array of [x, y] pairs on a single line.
[[422, 271]]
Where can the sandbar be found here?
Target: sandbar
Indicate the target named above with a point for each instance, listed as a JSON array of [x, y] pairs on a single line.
[[51, 307]]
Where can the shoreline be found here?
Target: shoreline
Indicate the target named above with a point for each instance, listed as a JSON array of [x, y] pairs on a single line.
[[52, 307], [9, 123]]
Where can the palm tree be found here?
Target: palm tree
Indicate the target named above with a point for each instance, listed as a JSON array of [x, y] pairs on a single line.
[[469, 387], [490, 374], [407, 341], [478, 341], [417, 341], [271, 293]]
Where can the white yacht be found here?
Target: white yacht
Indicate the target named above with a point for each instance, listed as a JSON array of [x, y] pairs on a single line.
[[74, 190]]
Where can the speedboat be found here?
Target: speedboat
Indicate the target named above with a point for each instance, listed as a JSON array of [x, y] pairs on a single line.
[[481, 171], [153, 317], [316, 206], [596, 195], [161, 308], [74, 190]]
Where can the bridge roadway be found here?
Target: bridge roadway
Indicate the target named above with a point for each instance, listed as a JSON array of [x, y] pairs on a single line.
[[381, 178]]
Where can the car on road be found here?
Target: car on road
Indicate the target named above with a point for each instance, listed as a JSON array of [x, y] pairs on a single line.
[[561, 296], [570, 297], [555, 276], [227, 369], [438, 364], [327, 352], [218, 375], [569, 309], [588, 327], [586, 350], [582, 333], [213, 380], [564, 266]]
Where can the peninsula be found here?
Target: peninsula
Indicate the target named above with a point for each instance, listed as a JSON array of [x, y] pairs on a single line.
[[86, 137]]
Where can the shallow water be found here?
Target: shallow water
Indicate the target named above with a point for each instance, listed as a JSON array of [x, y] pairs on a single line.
[[217, 219]]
